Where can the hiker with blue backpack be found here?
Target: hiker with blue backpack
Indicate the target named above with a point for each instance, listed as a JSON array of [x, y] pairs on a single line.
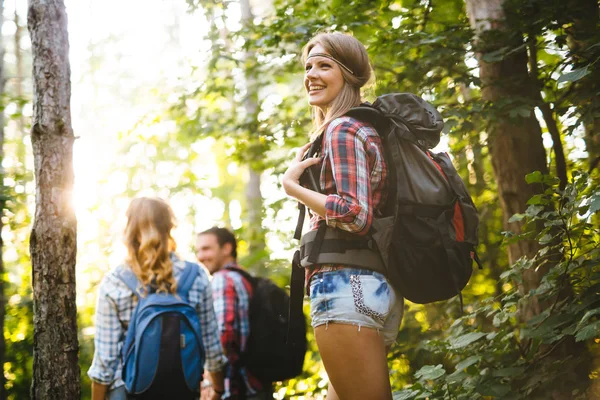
[[156, 328], [252, 313]]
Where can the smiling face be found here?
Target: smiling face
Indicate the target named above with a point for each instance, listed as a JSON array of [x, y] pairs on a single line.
[[211, 254], [323, 79]]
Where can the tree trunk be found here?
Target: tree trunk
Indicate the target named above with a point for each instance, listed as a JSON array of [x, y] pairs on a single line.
[[2, 206], [254, 200], [53, 243], [515, 143], [516, 149]]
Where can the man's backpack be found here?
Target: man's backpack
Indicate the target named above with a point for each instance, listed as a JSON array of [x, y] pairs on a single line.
[[163, 355], [427, 233], [267, 355]]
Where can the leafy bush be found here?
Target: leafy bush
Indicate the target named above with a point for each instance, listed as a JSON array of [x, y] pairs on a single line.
[[493, 351]]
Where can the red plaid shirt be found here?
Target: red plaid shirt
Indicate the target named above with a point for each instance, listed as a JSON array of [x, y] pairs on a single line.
[[231, 300], [353, 176]]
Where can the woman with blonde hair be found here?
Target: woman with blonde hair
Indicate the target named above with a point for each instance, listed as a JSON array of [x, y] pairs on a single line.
[[151, 259], [355, 312]]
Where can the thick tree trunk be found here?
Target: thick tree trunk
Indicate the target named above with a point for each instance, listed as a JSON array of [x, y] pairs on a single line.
[[53, 237], [515, 143], [2, 205], [254, 200], [516, 149]]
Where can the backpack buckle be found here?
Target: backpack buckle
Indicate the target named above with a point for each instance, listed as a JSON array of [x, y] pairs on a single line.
[[371, 245], [296, 260]]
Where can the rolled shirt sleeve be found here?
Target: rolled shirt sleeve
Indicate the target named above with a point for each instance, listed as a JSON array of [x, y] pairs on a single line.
[[109, 333]]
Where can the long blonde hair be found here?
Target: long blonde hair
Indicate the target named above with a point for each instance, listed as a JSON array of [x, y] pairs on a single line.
[[350, 52], [149, 242]]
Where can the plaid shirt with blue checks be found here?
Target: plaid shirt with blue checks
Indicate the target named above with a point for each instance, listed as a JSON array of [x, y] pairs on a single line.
[[114, 308]]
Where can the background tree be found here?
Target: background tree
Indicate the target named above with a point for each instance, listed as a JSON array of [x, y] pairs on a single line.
[[53, 237], [177, 126], [2, 206]]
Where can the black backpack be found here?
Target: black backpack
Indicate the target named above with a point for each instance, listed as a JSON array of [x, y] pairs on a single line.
[[427, 232], [267, 355]]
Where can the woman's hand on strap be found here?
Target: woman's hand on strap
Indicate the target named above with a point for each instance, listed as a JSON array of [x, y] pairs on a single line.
[[291, 183], [291, 177]]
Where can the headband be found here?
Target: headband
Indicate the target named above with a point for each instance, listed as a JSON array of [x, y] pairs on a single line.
[[332, 59]]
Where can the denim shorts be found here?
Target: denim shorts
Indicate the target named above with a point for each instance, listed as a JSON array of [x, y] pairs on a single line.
[[357, 297], [117, 393]]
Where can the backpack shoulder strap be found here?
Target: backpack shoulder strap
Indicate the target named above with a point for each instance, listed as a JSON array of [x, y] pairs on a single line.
[[130, 279], [245, 274], [309, 179], [187, 278], [371, 115]]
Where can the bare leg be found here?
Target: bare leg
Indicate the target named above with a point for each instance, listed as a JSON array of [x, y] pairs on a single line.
[[355, 362], [331, 394]]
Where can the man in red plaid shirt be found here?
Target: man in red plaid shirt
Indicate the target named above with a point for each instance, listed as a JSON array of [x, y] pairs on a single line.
[[216, 248]]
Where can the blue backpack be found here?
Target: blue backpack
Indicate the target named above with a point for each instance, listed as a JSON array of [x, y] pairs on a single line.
[[163, 356]]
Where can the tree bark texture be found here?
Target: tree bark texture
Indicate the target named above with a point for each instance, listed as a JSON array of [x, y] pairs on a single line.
[[515, 143], [2, 206], [53, 237]]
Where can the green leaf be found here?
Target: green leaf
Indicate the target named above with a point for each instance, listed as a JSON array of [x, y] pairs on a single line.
[[574, 75], [588, 332], [534, 177], [547, 238], [457, 376], [467, 362], [534, 210], [465, 340], [589, 315], [492, 389], [516, 217], [537, 199], [429, 372], [595, 204], [500, 318], [406, 394]]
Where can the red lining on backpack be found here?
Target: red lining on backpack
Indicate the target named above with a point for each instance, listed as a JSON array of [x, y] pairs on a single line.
[[459, 223], [436, 164]]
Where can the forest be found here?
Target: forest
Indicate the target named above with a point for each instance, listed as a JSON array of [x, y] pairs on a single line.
[[201, 102]]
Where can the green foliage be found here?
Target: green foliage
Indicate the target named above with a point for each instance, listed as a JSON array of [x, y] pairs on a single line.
[[492, 351]]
